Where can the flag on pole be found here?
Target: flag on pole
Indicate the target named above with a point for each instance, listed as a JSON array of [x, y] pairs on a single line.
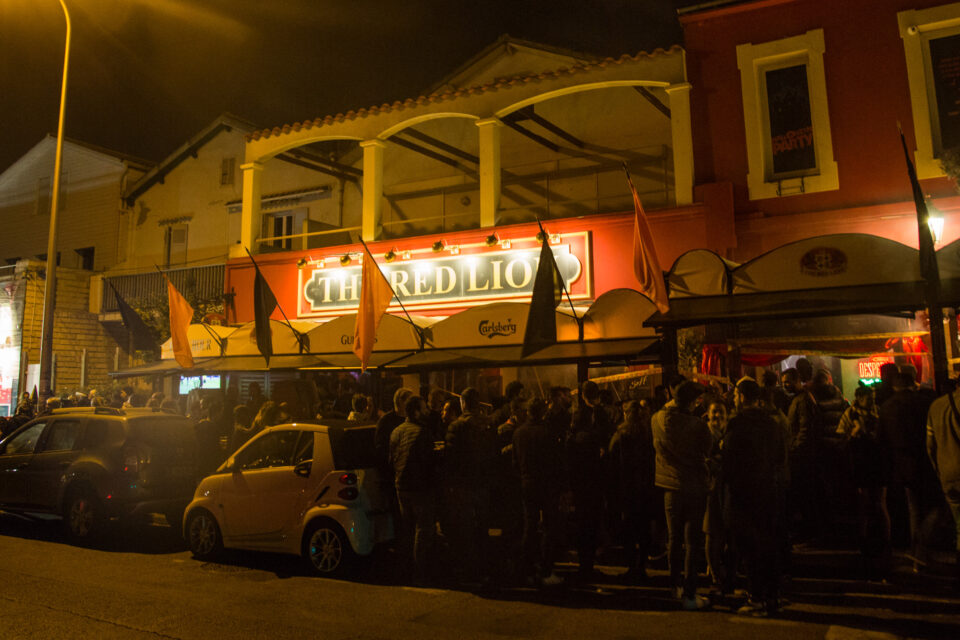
[[264, 302], [375, 296], [181, 315], [929, 269], [645, 264], [548, 290], [143, 339]]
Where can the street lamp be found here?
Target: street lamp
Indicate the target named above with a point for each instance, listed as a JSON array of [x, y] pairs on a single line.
[[50, 289]]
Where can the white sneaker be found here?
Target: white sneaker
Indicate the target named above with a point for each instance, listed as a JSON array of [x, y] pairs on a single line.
[[552, 580], [696, 603]]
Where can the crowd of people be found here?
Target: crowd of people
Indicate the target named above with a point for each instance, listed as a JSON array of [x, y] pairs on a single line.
[[728, 479], [737, 479]]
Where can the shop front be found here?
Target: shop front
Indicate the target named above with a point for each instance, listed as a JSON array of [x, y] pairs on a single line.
[[847, 302]]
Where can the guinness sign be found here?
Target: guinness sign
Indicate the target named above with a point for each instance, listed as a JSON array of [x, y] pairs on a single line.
[[447, 281]]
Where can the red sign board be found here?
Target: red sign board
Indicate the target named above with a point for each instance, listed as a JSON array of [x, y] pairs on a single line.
[[451, 276]]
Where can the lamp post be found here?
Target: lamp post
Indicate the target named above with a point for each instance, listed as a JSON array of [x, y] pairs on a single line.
[[50, 289]]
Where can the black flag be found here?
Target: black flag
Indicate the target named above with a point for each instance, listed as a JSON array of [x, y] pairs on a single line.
[[143, 339], [548, 289], [929, 269], [264, 302]]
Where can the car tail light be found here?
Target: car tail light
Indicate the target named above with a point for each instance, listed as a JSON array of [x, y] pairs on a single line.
[[348, 493], [131, 461], [348, 479]]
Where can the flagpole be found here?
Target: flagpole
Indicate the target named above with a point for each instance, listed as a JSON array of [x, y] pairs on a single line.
[[296, 333], [563, 285], [416, 327], [930, 272]]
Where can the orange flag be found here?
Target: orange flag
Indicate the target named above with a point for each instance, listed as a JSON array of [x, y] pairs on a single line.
[[645, 264], [375, 296], [181, 315]]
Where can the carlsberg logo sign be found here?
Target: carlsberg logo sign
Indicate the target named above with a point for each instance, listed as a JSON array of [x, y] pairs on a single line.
[[494, 275]]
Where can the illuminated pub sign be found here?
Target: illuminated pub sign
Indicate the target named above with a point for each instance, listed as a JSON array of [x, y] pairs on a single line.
[[436, 280]]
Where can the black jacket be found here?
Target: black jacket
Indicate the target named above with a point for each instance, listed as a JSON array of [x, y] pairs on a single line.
[[538, 457], [467, 452], [754, 456], [413, 457]]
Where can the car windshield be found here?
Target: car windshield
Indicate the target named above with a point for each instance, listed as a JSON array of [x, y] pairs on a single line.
[[353, 448]]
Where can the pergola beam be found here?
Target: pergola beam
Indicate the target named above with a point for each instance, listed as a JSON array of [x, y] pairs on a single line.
[[440, 144], [316, 167], [430, 153], [654, 100]]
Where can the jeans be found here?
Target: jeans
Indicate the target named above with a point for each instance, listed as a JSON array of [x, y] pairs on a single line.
[[418, 516], [541, 531], [462, 525], [684, 511], [755, 533]]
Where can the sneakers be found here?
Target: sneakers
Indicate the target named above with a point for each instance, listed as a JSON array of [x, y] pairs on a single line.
[[753, 609], [551, 580], [696, 603]]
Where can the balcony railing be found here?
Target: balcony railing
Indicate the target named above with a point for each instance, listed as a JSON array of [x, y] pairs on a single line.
[[202, 282]]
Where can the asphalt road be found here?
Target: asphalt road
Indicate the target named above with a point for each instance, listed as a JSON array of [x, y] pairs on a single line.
[[142, 583]]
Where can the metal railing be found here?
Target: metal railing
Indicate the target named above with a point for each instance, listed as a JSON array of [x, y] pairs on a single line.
[[203, 281]]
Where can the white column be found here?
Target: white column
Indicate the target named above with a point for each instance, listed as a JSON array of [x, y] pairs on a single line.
[[250, 213], [372, 216], [682, 135], [489, 171]]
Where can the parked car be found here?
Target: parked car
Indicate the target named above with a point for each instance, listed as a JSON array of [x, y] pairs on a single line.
[[91, 465], [304, 489]]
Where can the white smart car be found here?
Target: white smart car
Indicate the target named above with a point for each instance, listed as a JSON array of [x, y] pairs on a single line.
[[304, 489]]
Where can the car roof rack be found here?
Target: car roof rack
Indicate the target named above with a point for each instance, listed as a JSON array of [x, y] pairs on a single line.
[[109, 411]]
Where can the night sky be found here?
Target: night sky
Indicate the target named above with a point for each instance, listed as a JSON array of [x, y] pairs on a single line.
[[146, 75]]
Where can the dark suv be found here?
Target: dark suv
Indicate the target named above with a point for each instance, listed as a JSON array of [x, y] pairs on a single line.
[[90, 465]]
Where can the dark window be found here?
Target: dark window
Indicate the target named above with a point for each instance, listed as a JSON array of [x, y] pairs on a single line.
[[272, 450], [945, 65], [95, 434], [304, 449], [227, 171], [42, 257], [13, 260], [791, 124], [25, 441], [86, 257], [176, 244], [62, 436], [283, 226], [353, 447]]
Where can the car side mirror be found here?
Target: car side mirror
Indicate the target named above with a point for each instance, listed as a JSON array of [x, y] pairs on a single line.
[[303, 468]]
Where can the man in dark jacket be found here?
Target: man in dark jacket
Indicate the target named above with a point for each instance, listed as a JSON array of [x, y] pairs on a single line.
[[682, 443], [467, 456], [903, 429], [538, 457], [414, 462], [754, 456], [588, 439], [632, 462], [943, 447]]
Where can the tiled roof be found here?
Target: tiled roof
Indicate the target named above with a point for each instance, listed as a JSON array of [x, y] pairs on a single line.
[[503, 83]]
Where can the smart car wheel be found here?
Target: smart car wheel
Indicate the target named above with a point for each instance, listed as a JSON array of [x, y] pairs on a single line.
[[82, 514], [203, 535], [327, 549]]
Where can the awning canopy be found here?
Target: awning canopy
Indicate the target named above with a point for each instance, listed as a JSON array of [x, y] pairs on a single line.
[[833, 275]]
